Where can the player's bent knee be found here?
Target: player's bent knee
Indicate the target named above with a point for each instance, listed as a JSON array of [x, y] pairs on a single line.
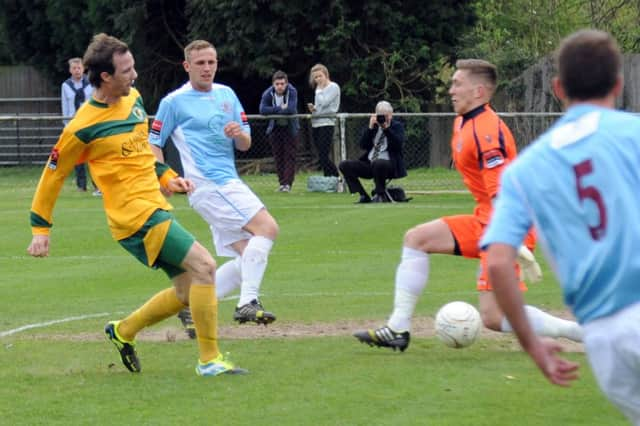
[[274, 231], [207, 267], [200, 264], [270, 228], [414, 238]]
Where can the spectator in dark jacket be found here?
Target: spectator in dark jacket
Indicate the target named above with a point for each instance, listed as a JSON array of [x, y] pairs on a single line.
[[382, 141], [282, 99]]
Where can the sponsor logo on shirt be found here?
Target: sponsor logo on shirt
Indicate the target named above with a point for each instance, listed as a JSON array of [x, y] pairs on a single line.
[[156, 126], [136, 144], [53, 159], [493, 158]]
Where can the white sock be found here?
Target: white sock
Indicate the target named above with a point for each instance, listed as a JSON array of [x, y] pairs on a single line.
[[253, 265], [545, 324], [228, 277], [411, 279]]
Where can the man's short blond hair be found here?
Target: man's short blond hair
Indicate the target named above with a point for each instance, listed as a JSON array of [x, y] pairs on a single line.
[[481, 69], [196, 45], [74, 61]]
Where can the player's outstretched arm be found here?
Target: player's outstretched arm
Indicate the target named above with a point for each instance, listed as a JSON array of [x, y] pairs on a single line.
[[39, 246]]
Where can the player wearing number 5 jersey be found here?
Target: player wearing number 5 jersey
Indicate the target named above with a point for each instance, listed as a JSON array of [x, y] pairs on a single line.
[[584, 202]]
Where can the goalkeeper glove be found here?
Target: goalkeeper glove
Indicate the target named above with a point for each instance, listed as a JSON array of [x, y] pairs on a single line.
[[529, 268]]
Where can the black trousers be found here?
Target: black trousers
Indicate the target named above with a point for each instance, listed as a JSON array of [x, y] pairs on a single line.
[[284, 146], [378, 170], [323, 140]]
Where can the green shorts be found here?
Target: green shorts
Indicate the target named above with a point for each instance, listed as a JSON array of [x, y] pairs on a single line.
[[161, 243]]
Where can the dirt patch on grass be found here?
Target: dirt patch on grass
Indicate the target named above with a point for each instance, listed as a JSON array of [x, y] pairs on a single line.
[[422, 327]]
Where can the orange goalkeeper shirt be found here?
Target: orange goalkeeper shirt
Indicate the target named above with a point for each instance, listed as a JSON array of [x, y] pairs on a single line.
[[482, 145], [113, 139]]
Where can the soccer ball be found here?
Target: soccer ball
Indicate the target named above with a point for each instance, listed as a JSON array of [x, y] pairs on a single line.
[[458, 324]]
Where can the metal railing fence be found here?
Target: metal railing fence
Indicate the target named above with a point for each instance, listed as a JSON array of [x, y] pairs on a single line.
[[27, 139]]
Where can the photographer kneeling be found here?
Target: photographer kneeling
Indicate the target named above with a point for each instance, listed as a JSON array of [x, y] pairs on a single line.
[[382, 141]]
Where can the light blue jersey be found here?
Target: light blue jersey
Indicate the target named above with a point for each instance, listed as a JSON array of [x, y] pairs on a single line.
[[579, 184], [195, 121]]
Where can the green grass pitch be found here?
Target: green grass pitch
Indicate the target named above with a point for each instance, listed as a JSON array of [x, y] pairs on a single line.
[[330, 271]]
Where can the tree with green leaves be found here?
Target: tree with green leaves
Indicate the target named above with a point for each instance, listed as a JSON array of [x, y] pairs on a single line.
[[375, 49], [515, 34]]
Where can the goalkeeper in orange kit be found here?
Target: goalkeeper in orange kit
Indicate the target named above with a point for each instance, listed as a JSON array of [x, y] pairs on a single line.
[[482, 146]]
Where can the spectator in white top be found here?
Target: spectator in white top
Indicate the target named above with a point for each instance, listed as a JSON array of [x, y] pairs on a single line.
[[327, 101]]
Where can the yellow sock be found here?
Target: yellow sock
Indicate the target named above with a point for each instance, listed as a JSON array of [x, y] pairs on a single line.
[[162, 305], [204, 311]]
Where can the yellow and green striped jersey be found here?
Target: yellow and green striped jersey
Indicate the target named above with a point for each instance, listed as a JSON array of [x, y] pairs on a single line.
[[113, 140]]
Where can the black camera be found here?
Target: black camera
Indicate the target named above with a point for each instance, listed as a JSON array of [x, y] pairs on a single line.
[[380, 118]]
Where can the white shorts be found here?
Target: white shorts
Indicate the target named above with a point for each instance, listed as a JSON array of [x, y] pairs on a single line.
[[613, 349], [227, 209]]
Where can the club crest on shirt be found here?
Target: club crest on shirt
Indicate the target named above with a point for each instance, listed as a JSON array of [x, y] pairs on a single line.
[[53, 159], [226, 107], [216, 123], [487, 138], [138, 112]]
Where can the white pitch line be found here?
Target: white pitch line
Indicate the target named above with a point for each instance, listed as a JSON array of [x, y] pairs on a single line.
[[105, 314], [74, 318], [52, 322]]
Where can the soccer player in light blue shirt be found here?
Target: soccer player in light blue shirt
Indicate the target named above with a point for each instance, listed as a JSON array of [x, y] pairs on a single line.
[[207, 124], [579, 184], [195, 120]]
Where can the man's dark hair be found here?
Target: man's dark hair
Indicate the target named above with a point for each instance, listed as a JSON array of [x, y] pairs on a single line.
[[98, 57], [279, 75], [588, 63]]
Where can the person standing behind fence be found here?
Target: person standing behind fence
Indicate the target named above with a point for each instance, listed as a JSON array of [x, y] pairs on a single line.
[[74, 92], [282, 99], [207, 122], [382, 140], [326, 101]]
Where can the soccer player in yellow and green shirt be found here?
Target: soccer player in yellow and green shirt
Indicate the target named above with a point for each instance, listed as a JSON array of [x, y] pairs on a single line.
[[110, 132]]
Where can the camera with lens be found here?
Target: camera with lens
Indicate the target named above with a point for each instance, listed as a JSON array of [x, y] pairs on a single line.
[[380, 119]]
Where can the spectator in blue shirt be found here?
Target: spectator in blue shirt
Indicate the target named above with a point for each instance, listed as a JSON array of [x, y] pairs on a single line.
[[282, 99]]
